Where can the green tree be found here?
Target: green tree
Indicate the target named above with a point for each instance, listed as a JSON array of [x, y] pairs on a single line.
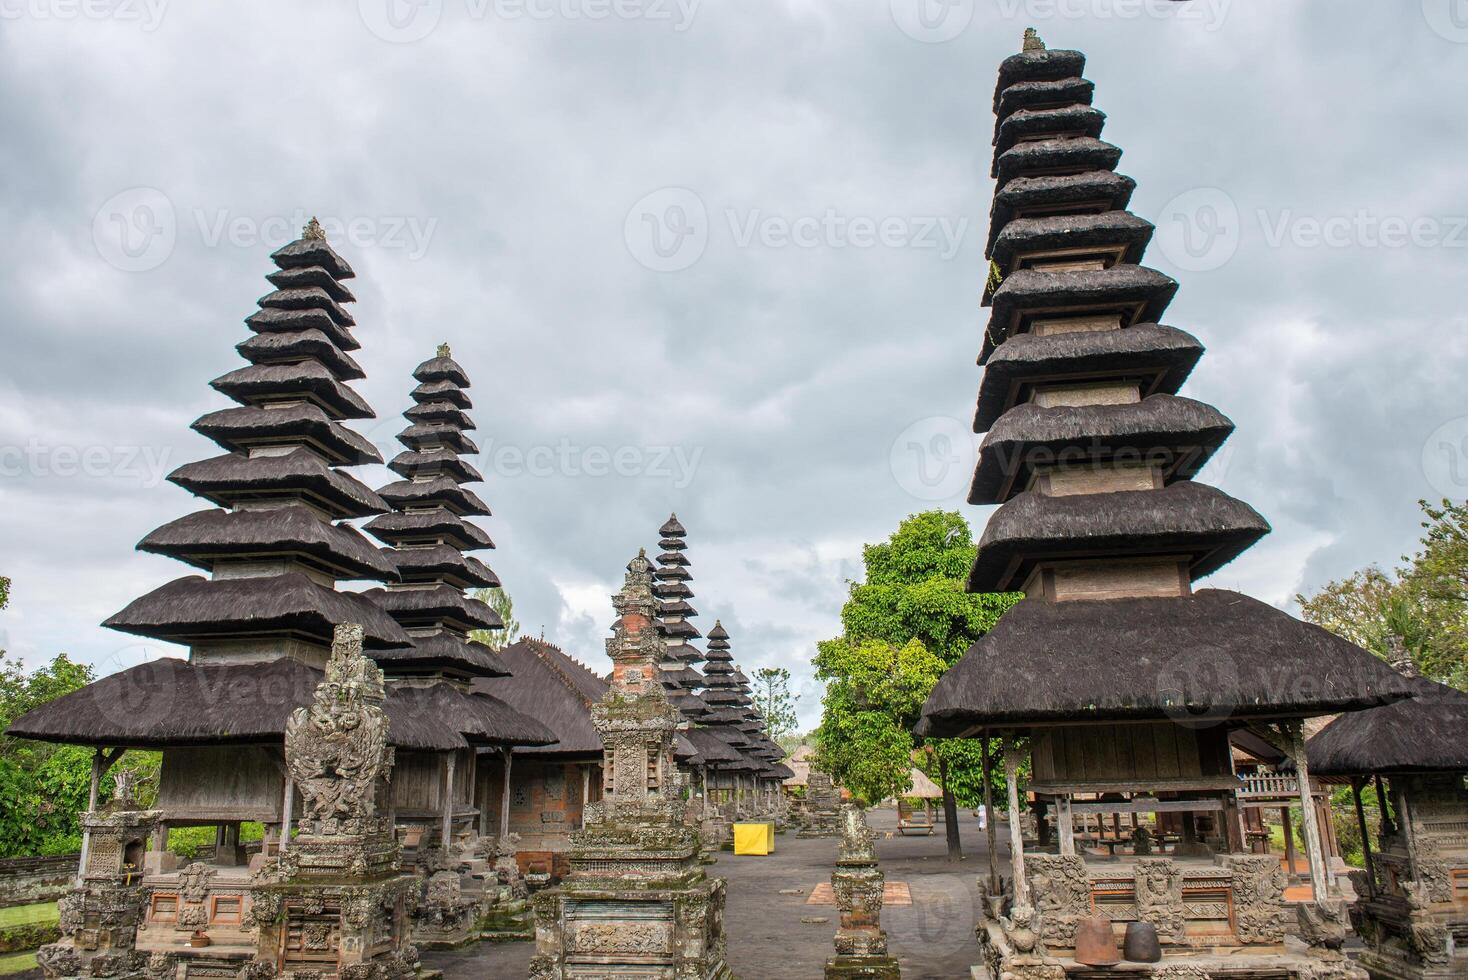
[[4, 591], [500, 601], [913, 593], [773, 699]]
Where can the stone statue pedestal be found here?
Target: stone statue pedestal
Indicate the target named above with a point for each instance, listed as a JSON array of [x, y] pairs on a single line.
[[861, 945]]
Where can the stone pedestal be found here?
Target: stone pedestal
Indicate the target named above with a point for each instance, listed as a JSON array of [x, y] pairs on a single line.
[[861, 945]]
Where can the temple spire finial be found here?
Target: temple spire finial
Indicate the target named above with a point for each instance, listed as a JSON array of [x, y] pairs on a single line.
[[1032, 41], [313, 232], [443, 350]]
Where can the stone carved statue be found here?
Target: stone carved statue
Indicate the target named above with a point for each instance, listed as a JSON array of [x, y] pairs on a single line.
[[857, 882]]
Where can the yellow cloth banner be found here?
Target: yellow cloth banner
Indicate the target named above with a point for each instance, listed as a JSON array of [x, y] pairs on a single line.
[[754, 838]]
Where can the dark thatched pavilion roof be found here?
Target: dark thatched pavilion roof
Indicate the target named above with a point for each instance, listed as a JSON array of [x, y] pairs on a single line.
[[442, 650], [1057, 155], [1029, 124], [1211, 657], [238, 429], [1138, 293], [203, 537], [232, 478], [1118, 229], [551, 687], [1094, 190], [172, 702], [1038, 94], [481, 718], [1191, 520], [289, 346], [1041, 65], [1425, 733], [1158, 357]]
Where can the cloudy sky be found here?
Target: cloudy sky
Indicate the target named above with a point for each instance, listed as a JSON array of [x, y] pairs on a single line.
[[718, 257]]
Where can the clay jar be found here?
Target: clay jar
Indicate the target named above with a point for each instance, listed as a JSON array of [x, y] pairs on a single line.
[[1095, 942]]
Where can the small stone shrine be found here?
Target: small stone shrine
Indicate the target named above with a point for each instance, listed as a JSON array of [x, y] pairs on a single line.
[[822, 815], [861, 945], [637, 902]]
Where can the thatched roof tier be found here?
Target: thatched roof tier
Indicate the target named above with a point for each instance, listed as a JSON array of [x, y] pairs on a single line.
[[442, 413], [1038, 66], [681, 629], [294, 532], [1091, 192], [296, 345], [1034, 124], [246, 427], [441, 391], [427, 527], [438, 492], [308, 276], [1426, 733], [1138, 294], [672, 590], [1191, 520], [678, 608], [444, 651], [677, 573], [195, 609], [717, 695], [682, 676], [1108, 229], [1177, 435], [433, 462], [672, 544], [422, 435], [1156, 357], [1213, 656], [308, 380], [1043, 95], [171, 702], [441, 368], [713, 751], [298, 474], [310, 298], [306, 252], [481, 718], [782, 772], [442, 563], [673, 558], [436, 605], [296, 321], [1055, 156], [672, 528], [718, 635], [551, 687]]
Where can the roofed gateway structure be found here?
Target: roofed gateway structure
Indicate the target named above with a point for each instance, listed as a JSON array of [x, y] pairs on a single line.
[[1114, 678], [1411, 906]]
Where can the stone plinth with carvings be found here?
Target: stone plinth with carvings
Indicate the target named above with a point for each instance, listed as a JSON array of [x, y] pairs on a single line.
[[861, 945]]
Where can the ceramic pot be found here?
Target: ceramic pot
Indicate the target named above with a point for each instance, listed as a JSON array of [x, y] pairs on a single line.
[[1141, 944], [1095, 942]]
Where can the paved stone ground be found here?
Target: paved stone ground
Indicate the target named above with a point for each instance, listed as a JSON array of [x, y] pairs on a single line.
[[933, 938]]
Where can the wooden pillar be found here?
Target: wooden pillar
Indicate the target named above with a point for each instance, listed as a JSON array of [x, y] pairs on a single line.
[[96, 785], [991, 830], [703, 772], [481, 798], [1067, 825], [1289, 836], [505, 800], [446, 829], [586, 791], [1016, 835], [287, 806], [1365, 835], [1313, 848], [1388, 825]]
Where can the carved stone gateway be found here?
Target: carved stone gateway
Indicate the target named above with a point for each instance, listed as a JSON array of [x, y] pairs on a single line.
[[861, 945], [637, 903]]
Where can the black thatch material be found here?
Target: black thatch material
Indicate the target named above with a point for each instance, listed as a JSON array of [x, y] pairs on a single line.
[[310, 298], [432, 606], [441, 369], [294, 345], [1055, 156], [224, 480], [293, 321], [306, 276], [672, 544], [1028, 124], [1095, 191], [717, 634], [312, 251], [202, 538], [1191, 519], [551, 687], [1176, 433], [238, 429], [171, 702], [425, 526], [1043, 95], [679, 608], [442, 563], [481, 718], [1069, 231], [672, 528], [1159, 358], [193, 609], [671, 590], [442, 413], [422, 435], [1426, 733], [1037, 66], [682, 629], [443, 651], [1140, 294], [673, 573], [308, 379], [441, 391], [442, 492], [712, 750], [673, 558], [410, 464], [1213, 657]]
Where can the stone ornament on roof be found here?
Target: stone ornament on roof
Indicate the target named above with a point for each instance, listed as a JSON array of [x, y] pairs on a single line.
[[313, 232], [1032, 40]]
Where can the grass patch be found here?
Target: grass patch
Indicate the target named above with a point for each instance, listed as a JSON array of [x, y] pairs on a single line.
[[24, 915], [17, 963]]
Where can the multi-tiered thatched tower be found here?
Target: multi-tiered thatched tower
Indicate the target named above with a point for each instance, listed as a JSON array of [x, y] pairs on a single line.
[[1125, 680]]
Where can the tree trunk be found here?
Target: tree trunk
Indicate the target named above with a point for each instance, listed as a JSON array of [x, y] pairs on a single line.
[[950, 814]]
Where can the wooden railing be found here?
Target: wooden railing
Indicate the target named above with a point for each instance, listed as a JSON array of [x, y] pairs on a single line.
[[1270, 784]]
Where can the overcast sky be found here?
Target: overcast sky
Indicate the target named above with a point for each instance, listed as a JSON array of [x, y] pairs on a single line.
[[722, 258]]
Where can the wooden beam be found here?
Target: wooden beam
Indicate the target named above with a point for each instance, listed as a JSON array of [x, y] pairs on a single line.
[[991, 829], [1067, 827], [1016, 836], [1146, 806], [446, 831], [505, 802], [1365, 835], [1293, 731]]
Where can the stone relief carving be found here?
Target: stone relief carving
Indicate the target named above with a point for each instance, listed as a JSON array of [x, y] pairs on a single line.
[[1258, 891], [1062, 895], [1159, 889]]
